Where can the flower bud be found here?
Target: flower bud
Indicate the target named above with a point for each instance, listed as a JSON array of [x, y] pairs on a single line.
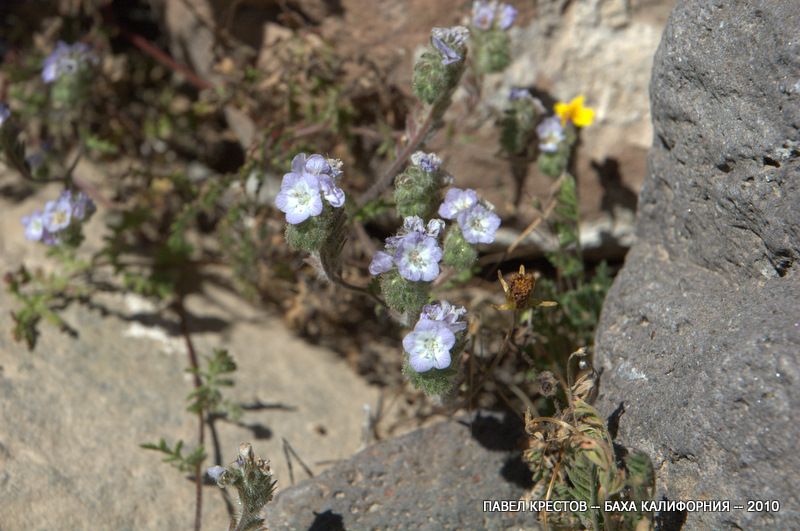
[[458, 253], [439, 69], [518, 124], [492, 51]]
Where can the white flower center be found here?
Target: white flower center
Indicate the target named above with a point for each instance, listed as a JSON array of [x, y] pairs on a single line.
[[59, 217], [302, 195], [431, 345], [463, 204], [417, 257]]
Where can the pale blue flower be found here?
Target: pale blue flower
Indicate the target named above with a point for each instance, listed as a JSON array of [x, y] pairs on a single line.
[[486, 15], [417, 257], [34, 226], [414, 250], [428, 162], [57, 214], [457, 200], [518, 94], [299, 197], [507, 16], [551, 134], [46, 226], [66, 59], [428, 345], [478, 224], [483, 14], [311, 179]]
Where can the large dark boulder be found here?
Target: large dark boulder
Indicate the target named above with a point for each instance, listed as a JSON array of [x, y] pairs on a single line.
[[700, 333], [435, 478]]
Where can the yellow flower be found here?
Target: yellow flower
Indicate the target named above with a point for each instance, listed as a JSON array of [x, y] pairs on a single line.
[[574, 112]]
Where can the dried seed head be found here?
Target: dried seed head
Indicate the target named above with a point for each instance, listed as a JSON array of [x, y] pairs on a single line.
[[548, 384]]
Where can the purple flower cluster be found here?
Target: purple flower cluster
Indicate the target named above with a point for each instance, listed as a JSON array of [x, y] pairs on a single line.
[[450, 43], [67, 59], [551, 133], [485, 14], [414, 251], [429, 162], [58, 215], [478, 224], [311, 179], [434, 335]]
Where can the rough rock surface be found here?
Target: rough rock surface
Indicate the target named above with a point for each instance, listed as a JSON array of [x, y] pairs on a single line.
[[74, 411], [432, 479], [700, 333]]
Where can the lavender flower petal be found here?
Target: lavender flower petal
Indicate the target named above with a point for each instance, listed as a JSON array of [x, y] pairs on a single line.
[[34, 226], [434, 227], [428, 345], [299, 163], [507, 16], [299, 197], [332, 193], [317, 165], [450, 42], [66, 59], [457, 200], [447, 313], [82, 206], [551, 134], [417, 257], [5, 113], [382, 262], [483, 14], [478, 224], [57, 214], [428, 162]]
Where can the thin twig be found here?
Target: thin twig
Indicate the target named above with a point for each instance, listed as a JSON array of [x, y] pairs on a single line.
[[397, 164], [198, 472], [551, 204], [163, 58], [287, 450]]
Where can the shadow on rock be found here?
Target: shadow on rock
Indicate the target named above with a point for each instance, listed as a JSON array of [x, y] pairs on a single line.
[[327, 521], [499, 432], [517, 471]]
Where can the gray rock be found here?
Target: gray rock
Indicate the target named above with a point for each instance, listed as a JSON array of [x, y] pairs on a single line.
[[434, 478], [700, 333], [74, 411]]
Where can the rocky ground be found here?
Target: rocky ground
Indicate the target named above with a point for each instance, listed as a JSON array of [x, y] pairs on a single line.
[[74, 411]]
